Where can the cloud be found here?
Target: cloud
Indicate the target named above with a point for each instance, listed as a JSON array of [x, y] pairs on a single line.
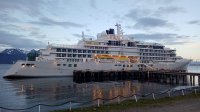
[[165, 38], [33, 31], [17, 41], [80, 36], [163, 11], [163, 2], [50, 22], [9, 27], [196, 22], [8, 18], [149, 22], [23, 28], [93, 4], [30, 7], [138, 13]]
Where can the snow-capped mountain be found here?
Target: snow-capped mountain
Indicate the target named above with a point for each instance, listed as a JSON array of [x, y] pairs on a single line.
[[9, 56]]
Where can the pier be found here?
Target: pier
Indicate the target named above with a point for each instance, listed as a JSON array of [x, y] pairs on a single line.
[[151, 76]]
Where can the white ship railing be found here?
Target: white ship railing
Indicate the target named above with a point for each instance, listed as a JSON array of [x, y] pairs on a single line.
[[65, 46]]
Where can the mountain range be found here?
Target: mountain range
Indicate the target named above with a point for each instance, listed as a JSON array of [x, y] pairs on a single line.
[[10, 56]]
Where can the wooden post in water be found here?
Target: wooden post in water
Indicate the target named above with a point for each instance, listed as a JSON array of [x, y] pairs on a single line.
[[135, 98], [39, 108], [70, 106], [98, 102], [183, 79], [170, 79], [153, 96], [193, 80], [177, 79], [199, 80]]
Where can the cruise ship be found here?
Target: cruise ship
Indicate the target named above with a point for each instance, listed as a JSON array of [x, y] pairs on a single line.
[[109, 51]]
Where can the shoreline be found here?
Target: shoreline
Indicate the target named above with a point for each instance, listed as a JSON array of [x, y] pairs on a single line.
[[183, 103]]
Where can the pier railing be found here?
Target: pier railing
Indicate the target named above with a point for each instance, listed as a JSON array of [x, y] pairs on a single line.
[[68, 105]]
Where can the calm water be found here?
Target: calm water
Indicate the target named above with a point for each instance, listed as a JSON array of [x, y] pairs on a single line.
[[28, 92]]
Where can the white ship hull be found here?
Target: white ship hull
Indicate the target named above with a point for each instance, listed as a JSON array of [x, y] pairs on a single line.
[[41, 69], [50, 68], [180, 65]]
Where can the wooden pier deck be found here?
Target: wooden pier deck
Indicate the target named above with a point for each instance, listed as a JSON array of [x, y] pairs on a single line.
[[151, 76]]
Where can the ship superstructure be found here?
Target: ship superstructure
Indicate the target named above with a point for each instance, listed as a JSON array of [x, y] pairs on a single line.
[[109, 51]]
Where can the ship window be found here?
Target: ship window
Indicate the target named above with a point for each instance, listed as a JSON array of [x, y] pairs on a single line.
[[58, 55], [64, 64], [127, 65], [27, 64], [69, 50], [79, 55], [63, 50], [58, 64], [70, 65], [89, 51], [75, 65], [63, 55], [115, 64], [69, 55], [22, 64], [74, 55], [131, 65], [58, 50], [79, 51], [123, 65], [74, 50]]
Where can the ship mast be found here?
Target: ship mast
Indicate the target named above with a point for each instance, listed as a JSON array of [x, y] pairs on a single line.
[[119, 31], [83, 36]]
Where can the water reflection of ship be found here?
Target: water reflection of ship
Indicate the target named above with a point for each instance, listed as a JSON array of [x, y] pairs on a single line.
[[126, 88], [52, 87]]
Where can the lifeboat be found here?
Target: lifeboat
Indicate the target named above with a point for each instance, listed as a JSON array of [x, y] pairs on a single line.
[[103, 56], [121, 58]]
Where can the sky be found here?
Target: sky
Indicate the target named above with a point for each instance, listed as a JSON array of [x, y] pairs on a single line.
[[31, 24]]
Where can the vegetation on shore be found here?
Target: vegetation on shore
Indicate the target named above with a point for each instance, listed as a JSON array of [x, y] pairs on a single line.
[[131, 104]]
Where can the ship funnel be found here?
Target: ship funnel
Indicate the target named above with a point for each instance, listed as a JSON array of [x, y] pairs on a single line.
[[110, 31]]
